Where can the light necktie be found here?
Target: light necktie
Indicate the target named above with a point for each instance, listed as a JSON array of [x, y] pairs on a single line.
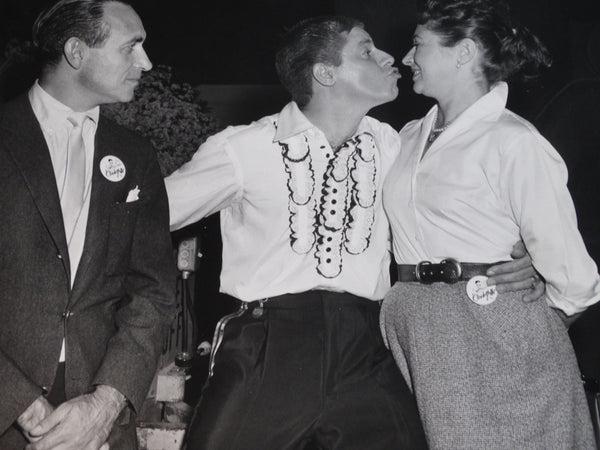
[[72, 197]]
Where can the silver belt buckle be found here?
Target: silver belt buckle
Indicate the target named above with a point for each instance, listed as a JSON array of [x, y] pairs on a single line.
[[448, 271], [418, 270], [449, 275]]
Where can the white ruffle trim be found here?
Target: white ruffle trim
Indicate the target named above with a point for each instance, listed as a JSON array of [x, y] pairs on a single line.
[[340, 212]]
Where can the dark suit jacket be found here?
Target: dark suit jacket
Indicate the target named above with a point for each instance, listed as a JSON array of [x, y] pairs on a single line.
[[124, 290]]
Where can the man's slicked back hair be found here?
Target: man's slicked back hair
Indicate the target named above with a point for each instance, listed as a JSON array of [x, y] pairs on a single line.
[[65, 19], [311, 41]]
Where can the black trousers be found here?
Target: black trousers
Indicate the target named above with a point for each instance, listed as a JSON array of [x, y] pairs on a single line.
[[305, 371]]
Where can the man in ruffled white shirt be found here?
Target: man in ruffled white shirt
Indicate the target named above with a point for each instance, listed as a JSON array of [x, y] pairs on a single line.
[[306, 251]]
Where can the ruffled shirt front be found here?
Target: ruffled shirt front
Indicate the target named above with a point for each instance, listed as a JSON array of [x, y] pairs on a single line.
[[486, 182], [296, 214]]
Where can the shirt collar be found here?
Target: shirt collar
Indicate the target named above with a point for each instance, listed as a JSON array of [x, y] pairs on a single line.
[[488, 107], [292, 121], [51, 113], [491, 105]]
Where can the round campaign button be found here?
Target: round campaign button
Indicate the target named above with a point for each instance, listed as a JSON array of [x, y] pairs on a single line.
[[479, 292], [112, 168]]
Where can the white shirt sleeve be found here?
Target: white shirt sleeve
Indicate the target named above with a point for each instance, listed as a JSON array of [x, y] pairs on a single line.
[[209, 182], [536, 183]]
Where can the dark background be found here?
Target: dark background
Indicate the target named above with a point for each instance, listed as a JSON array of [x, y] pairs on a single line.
[[229, 42]]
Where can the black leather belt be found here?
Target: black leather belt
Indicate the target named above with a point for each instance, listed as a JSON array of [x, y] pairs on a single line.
[[448, 271]]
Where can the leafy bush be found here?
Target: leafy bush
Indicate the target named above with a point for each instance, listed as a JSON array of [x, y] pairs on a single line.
[[169, 114]]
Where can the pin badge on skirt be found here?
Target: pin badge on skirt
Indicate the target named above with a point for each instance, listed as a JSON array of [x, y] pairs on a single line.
[[479, 292]]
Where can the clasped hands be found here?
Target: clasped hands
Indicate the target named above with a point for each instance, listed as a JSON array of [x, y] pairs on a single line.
[[82, 423]]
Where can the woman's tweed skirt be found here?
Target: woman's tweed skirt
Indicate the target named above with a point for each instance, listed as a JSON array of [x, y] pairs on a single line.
[[500, 376]]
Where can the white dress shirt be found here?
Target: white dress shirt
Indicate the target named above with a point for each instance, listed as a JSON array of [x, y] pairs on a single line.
[[53, 118], [486, 182], [295, 215]]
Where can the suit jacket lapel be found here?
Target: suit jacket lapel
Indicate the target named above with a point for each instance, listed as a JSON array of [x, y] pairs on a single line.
[[33, 160]]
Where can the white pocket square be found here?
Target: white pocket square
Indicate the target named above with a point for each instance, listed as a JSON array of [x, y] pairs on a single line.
[[133, 195]]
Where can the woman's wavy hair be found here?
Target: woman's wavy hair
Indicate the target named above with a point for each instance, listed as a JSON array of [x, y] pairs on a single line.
[[510, 51]]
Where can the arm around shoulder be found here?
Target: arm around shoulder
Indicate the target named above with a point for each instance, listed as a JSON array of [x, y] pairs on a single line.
[[207, 183]]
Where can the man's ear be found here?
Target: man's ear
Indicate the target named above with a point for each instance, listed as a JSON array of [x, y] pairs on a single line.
[[75, 51], [324, 74]]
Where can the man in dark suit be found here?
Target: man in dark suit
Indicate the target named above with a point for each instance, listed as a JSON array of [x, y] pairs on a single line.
[[87, 279]]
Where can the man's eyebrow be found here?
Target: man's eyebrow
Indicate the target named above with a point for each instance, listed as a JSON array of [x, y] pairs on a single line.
[[366, 41], [135, 40]]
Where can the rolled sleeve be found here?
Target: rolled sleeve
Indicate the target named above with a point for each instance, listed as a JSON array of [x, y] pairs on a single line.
[[536, 180]]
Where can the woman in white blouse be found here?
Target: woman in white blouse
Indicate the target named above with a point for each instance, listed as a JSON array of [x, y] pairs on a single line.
[[488, 370]]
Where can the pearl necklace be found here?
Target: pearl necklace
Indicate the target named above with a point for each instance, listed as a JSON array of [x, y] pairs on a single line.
[[435, 132]]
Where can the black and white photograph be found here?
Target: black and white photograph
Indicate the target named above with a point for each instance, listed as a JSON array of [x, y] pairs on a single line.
[[302, 225]]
